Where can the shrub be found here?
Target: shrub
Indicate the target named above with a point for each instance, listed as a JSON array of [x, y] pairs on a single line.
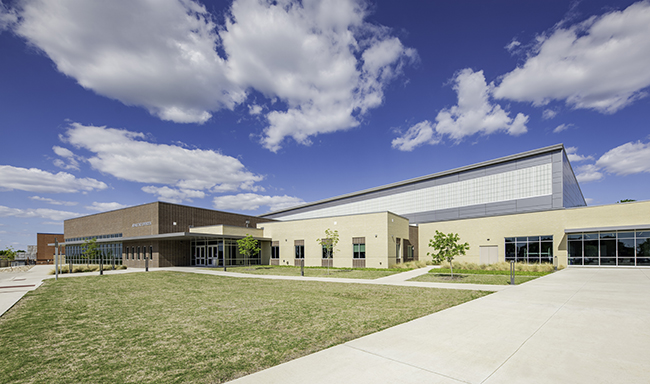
[[84, 268], [500, 266]]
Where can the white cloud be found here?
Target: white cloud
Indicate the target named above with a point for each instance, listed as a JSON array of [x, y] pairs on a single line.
[[7, 17], [103, 207], [588, 172], [252, 201], [319, 57], [156, 54], [419, 134], [254, 109], [174, 195], [67, 154], [572, 154], [601, 63], [44, 213], [474, 113], [549, 114], [562, 127], [52, 201], [320, 66], [512, 46], [37, 180], [626, 159], [126, 155]]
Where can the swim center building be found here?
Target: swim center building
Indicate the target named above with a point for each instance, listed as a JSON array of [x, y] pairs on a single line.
[[525, 207]]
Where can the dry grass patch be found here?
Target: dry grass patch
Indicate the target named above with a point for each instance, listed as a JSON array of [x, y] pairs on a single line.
[[182, 327], [287, 270]]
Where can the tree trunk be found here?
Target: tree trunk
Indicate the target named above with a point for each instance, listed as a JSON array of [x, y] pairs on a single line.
[[451, 267]]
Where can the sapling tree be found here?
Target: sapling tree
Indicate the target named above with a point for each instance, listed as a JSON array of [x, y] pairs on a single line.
[[329, 242], [8, 254], [248, 246], [446, 247], [90, 250]]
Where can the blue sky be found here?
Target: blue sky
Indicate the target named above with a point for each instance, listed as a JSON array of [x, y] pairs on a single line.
[[251, 106]]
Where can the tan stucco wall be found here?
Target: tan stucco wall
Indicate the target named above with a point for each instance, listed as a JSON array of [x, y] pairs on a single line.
[[228, 230], [377, 228], [493, 230]]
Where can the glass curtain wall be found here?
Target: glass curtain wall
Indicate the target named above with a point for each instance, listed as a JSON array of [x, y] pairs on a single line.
[[622, 248], [529, 249], [208, 253], [111, 252]]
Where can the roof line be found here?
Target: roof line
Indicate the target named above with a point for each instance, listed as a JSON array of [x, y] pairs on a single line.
[[430, 176]]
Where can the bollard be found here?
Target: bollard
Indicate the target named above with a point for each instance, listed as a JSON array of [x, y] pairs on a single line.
[[146, 263], [302, 267], [101, 264], [512, 272]]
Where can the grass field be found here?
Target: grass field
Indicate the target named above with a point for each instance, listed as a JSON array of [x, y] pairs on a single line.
[[183, 327], [481, 278], [285, 270]]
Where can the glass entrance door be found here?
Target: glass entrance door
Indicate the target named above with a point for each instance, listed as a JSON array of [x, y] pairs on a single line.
[[213, 255], [199, 255]]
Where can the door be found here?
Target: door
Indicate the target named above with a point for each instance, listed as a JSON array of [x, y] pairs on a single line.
[[200, 255], [489, 254]]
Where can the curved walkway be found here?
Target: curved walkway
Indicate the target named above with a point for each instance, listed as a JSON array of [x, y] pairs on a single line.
[[575, 326]]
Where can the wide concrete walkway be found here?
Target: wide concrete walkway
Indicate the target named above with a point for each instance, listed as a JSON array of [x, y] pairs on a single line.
[[574, 326]]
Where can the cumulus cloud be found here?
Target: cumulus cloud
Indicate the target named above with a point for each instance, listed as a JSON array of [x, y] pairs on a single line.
[[128, 156], [419, 134], [475, 113], [159, 55], [601, 63], [52, 201], [252, 202], [588, 172], [572, 155], [103, 207], [174, 195], [320, 66], [44, 213], [626, 159], [37, 180]]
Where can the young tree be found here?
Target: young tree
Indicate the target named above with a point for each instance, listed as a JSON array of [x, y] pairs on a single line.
[[446, 247], [90, 250], [248, 246], [329, 243]]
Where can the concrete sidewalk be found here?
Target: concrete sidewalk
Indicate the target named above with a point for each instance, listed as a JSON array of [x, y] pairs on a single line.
[[581, 325], [396, 279]]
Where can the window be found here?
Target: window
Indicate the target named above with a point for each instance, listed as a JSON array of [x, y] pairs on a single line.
[[359, 247], [138, 253], [625, 248], [529, 249], [275, 250], [326, 249], [151, 252], [300, 248]]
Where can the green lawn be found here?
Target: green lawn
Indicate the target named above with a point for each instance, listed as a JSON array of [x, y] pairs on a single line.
[[471, 278], [286, 270], [183, 327]]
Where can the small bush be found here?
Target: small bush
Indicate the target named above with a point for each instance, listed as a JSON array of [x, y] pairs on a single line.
[[500, 266], [411, 264], [84, 268]]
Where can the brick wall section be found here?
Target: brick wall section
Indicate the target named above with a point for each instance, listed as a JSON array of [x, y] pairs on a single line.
[[185, 216], [45, 253], [118, 221]]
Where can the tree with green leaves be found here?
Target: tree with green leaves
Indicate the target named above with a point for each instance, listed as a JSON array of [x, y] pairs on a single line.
[[248, 246], [329, 242], [446, 247], [8, 254], [91, 250]]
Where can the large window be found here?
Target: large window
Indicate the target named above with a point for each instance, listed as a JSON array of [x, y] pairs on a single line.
[[275, 250], [624, 248], [529, 249]]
